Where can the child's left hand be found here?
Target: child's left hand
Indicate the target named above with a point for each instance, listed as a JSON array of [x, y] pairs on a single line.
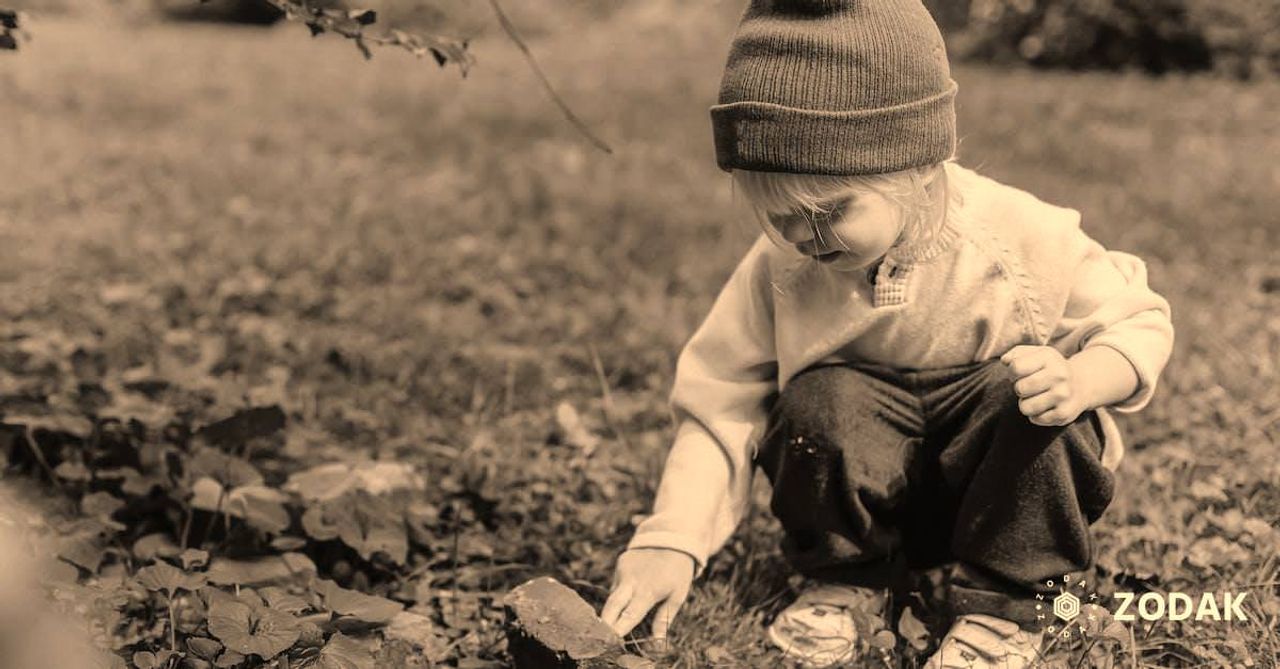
[[1048, 395]]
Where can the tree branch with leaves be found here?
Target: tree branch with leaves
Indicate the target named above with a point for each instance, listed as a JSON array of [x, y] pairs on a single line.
[[352, 24]]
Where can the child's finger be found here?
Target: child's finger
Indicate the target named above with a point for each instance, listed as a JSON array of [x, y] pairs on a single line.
[[1027, 363], [1054, 417], [1034, 384], [617, 601], [666, 613], [1034, 406], [1019, 351], [634, 611], [1048, 379]]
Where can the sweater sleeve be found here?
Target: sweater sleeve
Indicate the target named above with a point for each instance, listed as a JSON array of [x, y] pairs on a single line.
[[725, 378], [1111, 305]]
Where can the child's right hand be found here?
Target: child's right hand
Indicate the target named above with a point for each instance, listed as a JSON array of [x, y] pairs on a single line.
[[646, 577]]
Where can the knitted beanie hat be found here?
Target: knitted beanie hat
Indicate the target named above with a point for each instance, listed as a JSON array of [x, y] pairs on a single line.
[[839, 87]]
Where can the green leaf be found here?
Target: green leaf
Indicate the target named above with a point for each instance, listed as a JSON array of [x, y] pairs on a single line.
[[912, 630], [204, 647], [280, 600], [83, 549], [153, 546], [244, 425], [332, 480], [166, 577], [252, 630], [193, 558], [288, 543], [629, 661], [270, 569], [231, 472], [146, 659], [344, 652], [884, 640], [73, 470], [100, 504], [134, 483], [260, 506], [366, 523], [366, 608], [59, 422], [229, 658]]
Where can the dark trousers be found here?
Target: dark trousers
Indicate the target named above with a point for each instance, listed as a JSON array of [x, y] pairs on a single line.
[[877, 470]]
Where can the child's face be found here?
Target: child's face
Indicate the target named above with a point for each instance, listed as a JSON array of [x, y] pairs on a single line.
[[859, 230]]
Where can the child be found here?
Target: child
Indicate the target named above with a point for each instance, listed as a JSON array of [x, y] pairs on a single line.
[[917, 356]]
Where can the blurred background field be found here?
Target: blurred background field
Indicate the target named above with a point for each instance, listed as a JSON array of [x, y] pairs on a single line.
[[432, 268]]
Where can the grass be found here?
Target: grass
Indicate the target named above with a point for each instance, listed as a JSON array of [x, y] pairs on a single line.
[[445, 260]]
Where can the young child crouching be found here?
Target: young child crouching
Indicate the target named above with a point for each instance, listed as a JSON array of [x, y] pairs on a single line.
[[918, 357]]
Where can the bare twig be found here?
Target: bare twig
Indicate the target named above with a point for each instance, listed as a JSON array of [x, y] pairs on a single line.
[[351, 24], [606, 397], [39, 456], [510, 29]]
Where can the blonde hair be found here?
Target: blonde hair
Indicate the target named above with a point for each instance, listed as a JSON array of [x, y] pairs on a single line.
[[816, 195]]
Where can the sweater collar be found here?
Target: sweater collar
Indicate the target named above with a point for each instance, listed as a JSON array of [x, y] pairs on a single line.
[[926, 250]]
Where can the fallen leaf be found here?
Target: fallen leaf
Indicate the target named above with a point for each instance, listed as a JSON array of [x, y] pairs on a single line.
[[1216, 553], [367, 608], [1211, 490], [418, 631], [575, 433], [716, 654]]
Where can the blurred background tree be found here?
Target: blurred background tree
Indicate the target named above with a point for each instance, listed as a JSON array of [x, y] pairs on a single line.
[[1238, 38]]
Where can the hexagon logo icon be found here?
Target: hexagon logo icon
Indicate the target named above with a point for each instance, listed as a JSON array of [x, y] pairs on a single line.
[[1066, 606]]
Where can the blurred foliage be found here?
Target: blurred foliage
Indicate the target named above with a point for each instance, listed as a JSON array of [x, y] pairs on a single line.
[[10, 28], [1236, 38]]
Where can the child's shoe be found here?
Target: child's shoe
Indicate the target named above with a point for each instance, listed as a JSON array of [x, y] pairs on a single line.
[[818, 628], [986, 642]]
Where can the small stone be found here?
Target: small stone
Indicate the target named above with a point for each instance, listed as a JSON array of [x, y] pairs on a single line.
[[550, 627]]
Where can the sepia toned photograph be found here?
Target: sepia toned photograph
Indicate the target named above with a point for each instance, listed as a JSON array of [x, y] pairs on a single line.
[[622, 334]]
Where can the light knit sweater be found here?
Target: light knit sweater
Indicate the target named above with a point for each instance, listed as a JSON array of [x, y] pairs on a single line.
[[1007, 269]]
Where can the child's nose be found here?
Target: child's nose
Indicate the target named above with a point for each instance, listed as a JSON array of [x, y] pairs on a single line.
[[795, 229]]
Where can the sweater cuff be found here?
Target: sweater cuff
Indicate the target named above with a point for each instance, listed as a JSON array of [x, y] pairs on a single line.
[[675, 541], [1146, 382]]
